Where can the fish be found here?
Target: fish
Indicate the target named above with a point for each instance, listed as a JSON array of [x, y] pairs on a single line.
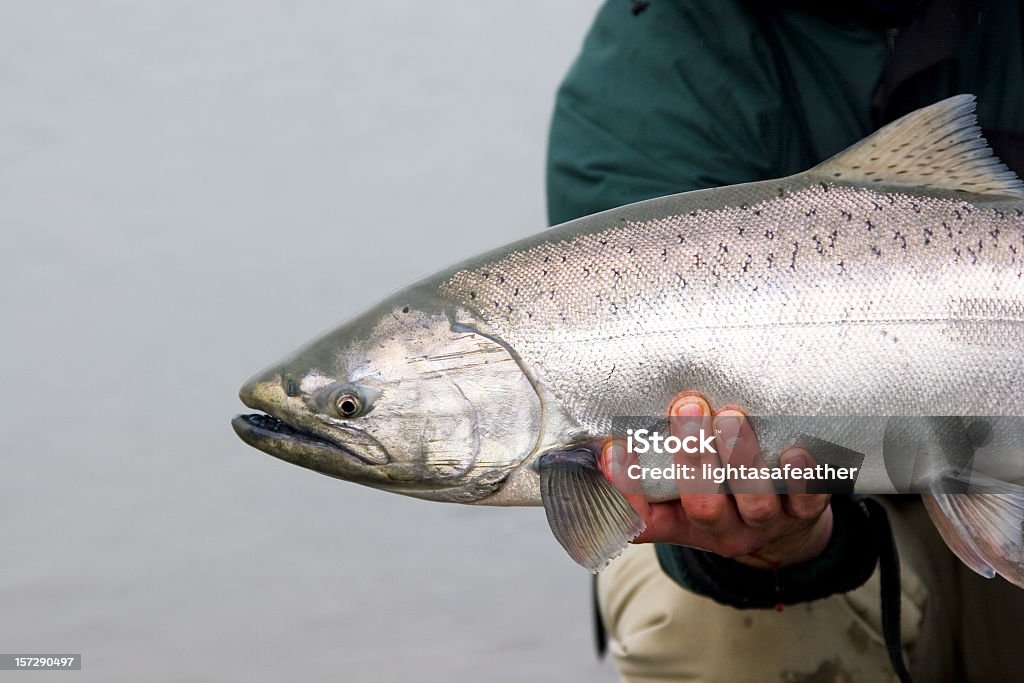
[[872, 305]]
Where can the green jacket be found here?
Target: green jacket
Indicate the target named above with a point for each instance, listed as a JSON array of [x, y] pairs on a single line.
[[693, 94], [675, 95]]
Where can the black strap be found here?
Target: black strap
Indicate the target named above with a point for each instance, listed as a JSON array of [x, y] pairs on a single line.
[[600, 634], [889, 567]]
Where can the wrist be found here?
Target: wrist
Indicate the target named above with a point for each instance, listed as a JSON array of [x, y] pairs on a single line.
[[846, 563]]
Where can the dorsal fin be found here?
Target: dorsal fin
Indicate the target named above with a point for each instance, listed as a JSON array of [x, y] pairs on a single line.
[[937, 147]]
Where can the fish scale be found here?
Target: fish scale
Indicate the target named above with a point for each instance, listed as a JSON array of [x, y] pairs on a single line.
[[764, 286]]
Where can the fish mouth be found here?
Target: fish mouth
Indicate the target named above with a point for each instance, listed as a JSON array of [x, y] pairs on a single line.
[[282, 440]]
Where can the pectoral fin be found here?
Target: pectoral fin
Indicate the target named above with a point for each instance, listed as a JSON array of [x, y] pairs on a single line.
[[985, 526], [591, 520]]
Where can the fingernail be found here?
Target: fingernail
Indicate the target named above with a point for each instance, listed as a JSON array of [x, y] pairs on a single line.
[[615, 453], [691, 414], [794, 458], [728, 429], [690, 410]]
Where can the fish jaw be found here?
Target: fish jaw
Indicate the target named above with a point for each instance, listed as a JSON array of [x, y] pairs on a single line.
[[276, 431]]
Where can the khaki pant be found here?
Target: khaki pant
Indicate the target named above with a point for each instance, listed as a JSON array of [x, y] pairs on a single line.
[[956, 625]]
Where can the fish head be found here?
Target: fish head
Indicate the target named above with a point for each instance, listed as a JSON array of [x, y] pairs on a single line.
[[403, 398]]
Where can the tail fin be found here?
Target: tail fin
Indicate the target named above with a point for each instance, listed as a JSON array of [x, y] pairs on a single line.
[[984, 527]]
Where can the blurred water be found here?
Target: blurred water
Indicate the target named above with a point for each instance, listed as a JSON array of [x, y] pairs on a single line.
[[189, 190]]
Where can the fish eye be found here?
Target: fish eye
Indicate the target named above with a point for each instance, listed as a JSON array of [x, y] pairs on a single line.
[[346, 401], [348, 404]]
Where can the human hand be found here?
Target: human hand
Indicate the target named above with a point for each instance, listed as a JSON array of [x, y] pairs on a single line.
[[756, 527]]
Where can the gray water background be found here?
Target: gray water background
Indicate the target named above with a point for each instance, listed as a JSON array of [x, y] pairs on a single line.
[[189, 190]]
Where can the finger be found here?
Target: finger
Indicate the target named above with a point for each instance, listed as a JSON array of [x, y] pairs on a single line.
[[620, 466], [615, 462], [738, 446], [689, 420], [756, 500], [705, 507], [798, 503], [666, 523]]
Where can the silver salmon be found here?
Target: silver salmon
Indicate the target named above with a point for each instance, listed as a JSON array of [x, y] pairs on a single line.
[[873, 304]]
